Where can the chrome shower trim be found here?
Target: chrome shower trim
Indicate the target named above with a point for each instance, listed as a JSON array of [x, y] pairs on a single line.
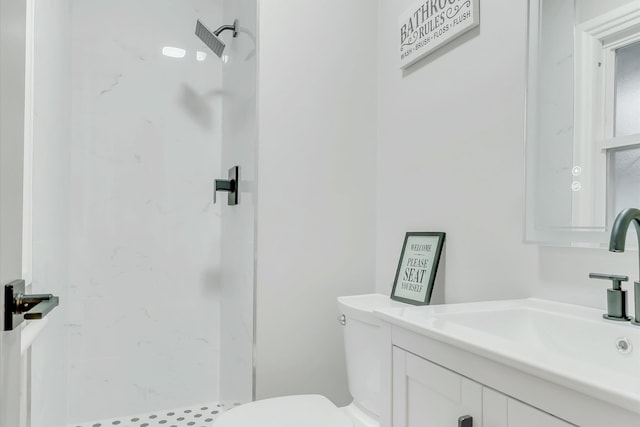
[[212, 38], [233, 27]]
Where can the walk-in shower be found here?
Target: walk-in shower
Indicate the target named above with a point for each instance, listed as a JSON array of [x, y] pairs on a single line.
[[154, 326], [212, 38]]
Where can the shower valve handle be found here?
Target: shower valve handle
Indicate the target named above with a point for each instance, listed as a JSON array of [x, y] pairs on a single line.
[[224, 185], [228, 185]]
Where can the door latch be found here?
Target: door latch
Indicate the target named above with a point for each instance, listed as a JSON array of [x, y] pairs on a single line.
[[19, 306]]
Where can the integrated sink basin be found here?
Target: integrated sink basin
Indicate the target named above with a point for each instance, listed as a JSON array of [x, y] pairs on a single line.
[[588, 339], [566, 344]]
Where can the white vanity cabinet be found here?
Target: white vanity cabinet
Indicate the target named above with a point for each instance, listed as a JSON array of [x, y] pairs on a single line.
[[518, 363], [428, 395]]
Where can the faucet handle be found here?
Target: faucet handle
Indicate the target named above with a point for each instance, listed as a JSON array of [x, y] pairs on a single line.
[[617, 280], [616, 297]]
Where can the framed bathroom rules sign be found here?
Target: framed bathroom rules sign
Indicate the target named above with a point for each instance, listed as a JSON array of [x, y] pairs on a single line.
[[431, 24], [417, 267]]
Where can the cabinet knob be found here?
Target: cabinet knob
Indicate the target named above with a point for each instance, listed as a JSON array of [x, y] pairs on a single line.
[[465, 421]]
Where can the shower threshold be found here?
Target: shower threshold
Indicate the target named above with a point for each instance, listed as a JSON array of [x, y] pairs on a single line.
[[192, 416]]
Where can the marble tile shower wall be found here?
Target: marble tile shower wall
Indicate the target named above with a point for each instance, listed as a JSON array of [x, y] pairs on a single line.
[[144, 239]]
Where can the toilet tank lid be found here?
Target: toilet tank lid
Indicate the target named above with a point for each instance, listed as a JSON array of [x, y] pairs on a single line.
[[309, 410], [361, 306]]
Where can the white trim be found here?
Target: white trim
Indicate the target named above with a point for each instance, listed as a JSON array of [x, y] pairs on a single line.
[[611, 24], [609, 66], [618, 142], [531, 116], [27, 200], [588, 78]]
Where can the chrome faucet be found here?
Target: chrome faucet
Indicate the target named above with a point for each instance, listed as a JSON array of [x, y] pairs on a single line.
[[617, 243]]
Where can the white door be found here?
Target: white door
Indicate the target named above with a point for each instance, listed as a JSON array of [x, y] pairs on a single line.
[[13, 21]]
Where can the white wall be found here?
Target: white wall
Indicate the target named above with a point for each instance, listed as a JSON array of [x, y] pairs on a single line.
[[450, 154], [316, 151], [450, 158], [144, 234], [51, 164]]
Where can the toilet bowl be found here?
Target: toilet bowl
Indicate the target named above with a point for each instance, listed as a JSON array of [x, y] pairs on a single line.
[[365, 346]]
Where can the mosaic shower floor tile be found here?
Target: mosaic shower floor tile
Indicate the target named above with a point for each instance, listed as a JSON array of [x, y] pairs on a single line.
[[193, 416]]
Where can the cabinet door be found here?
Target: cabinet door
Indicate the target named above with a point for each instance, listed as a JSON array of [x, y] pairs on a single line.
[[427, 395], [499, 410], [494, 408]]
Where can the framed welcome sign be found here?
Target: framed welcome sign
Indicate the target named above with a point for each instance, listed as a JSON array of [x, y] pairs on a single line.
[[430, 24], [417, 267]]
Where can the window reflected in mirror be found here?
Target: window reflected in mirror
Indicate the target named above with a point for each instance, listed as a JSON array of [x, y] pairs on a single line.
[[583, 119]]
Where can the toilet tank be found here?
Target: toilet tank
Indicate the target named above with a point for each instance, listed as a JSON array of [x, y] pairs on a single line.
[[366, 344]]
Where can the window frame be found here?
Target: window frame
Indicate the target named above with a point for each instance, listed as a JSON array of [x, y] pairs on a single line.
[[596, 42]]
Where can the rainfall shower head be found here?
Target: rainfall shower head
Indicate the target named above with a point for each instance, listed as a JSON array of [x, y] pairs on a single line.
[[212, 38]]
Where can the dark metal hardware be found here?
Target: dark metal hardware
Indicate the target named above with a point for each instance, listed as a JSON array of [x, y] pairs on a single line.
[[465, 421], [616, 244], [636, 319], [229, 185], [19, 306], [616, 297], [617, 280]]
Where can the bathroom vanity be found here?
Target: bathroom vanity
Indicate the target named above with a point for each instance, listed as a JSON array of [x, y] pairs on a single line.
[[524, 363]]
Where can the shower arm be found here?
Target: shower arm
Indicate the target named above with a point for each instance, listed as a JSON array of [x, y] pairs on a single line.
[[233, 27]]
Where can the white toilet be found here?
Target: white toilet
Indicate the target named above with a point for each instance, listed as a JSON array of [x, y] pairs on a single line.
[[365, 347]]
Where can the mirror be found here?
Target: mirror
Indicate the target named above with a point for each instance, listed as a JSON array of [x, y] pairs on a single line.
[[583, 118]]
